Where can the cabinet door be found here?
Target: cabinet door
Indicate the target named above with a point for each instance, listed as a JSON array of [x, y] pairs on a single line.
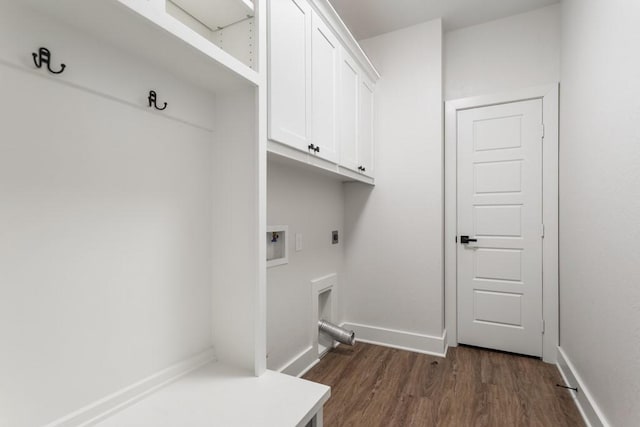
[[348, 101], [365, 127], [324, 78], [289, 68]]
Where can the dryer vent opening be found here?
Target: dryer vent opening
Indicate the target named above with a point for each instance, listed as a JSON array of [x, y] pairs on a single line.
[[337, 333]]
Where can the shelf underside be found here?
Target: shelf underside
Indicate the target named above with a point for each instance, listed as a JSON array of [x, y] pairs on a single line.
[[216, 14], [158, 38]]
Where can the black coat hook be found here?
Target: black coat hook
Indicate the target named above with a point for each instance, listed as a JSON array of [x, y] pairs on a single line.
[[44, 57], [152, 101]]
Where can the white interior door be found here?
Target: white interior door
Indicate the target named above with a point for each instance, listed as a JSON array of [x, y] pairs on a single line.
[[500, 207]]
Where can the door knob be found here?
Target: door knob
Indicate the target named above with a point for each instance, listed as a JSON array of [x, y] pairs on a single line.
[[465, 239]]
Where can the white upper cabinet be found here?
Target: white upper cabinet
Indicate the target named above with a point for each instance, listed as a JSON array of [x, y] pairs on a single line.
[[325, 51], [289, 69], [348, 97], [356, 114], [365, 128], [320, 90]]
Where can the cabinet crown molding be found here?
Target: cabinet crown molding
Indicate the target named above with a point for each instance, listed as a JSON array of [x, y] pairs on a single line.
[[326, 10]]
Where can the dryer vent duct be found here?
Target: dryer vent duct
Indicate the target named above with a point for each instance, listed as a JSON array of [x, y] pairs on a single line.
[[337, 333]]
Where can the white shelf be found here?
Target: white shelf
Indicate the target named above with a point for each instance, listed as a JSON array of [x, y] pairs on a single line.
[[219, 395], [144, 28], [215, 14]]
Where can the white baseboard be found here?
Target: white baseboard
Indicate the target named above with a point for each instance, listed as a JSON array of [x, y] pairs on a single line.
[[300, 364], [426, 344], [122, 398], [590, 411], [419, 343]]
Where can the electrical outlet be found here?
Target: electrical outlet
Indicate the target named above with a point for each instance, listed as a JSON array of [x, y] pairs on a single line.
[[334, 237]]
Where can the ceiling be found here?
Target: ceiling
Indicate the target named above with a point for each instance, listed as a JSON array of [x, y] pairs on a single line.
[[368, 18]]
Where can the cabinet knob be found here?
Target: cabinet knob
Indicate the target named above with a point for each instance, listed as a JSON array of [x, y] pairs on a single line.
[[317, 149], [311, 147]]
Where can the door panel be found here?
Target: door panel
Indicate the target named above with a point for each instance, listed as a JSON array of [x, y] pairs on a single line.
[[324, 90], [500, 220], [498, 134], [498, 264], [498, 177], [500, 205], [289, 68], [498, 307], [365, 128], [348, 112]]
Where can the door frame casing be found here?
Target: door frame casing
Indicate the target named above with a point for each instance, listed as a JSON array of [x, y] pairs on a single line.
[[549, 94]]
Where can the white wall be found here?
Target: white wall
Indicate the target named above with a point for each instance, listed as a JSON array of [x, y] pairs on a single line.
[[600, 202], [313, 205], [393, 244], [235, 231], [503, 55]]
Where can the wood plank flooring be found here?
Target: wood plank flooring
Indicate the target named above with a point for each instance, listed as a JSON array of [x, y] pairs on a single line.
[[379, 386]]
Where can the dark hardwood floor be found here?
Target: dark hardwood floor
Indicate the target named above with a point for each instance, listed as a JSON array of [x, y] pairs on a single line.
[[379, 386]]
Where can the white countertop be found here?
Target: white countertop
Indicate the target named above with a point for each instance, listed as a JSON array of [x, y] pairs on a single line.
[[219, 395]]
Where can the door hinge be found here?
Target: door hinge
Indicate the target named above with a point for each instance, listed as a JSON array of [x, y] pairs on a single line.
[[542, 130], [543, 326], [542, 230]]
